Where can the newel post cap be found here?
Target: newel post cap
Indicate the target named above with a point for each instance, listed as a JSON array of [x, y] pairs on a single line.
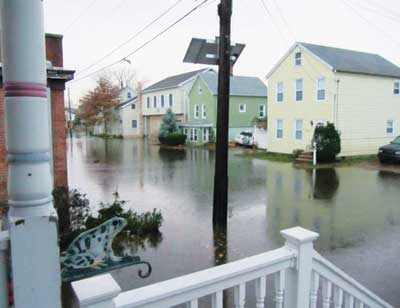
[[299, 235], [96, 290]]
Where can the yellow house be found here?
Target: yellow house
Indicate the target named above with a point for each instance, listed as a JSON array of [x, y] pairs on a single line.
[[359, 92]]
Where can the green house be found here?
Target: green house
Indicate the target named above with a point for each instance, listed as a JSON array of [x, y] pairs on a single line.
[[248, 100]]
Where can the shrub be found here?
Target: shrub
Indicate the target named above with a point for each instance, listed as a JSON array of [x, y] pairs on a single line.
[[173, 139], [297, 152], [328, 143], [168, 124]]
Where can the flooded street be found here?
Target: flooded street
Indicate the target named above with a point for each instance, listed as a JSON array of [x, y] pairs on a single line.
[[355, 211]]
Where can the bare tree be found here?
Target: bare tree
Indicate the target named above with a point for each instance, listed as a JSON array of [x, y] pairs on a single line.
[[123, 75]]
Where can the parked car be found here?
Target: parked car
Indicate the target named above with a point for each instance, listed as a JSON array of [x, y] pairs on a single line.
[[245, 138], [390, 152]]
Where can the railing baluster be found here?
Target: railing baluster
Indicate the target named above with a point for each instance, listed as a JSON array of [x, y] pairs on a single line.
[[279, 288], [260, 291], [349, 301], [326, 293], [314, 290], [338, 297], [217, 300], [240, 295], [192, 304], [359, 304]]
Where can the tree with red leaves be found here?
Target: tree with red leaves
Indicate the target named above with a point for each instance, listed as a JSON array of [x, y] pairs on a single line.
[[98, 104]]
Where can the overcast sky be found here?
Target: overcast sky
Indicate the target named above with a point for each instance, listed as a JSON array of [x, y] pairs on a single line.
[[89, 34]]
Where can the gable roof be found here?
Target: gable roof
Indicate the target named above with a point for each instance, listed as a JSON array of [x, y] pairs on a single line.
[[345, 60], [127, 102], [239, 85], [173, 81]]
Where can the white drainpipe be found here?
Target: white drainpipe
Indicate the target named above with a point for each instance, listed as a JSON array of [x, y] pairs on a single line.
[[32, 218]]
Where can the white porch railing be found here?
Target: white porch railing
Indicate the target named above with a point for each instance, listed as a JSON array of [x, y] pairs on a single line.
[[300, 273]]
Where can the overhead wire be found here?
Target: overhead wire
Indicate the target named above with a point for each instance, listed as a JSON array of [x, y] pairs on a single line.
[[125, 58], [79, 16], [131, 38]]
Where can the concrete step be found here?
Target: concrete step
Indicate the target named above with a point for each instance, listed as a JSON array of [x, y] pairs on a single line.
[[304, 160]]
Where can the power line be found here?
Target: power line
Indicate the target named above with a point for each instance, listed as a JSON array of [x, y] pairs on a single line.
[[132, 37], [272, 19], [145, 43], [377, 12], [79, 16]]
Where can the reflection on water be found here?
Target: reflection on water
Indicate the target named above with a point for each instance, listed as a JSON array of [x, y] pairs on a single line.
[[352, 209]]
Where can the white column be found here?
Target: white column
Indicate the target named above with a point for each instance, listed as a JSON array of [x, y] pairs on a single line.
[[4, 246], [298, 278], [33, 221]]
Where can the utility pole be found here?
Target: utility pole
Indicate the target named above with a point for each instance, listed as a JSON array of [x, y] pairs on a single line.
[[69, 115], [220, 204]]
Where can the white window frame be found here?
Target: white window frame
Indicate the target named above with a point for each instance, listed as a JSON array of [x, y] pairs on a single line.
[[295, 58], [206, 134], [298, 130], [396, 88], [170, 100], [277, 92], [129, 95], [133, 106], [262, 111], [302, 90], [185, 131], [199, 90], [155, 102], [162, 99], [318, 89], [148, 102], [193, 134], [387, 127], [135, 123], [196, 111], [277, 128], [242, 110], [203, 111]]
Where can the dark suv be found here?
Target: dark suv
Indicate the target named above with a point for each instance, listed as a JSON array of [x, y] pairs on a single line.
[[390, 152]]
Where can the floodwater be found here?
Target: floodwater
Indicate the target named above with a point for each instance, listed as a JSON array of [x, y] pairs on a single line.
[[355, 211]]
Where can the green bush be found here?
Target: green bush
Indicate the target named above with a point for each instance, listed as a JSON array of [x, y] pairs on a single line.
[[328, 143], [168, 124], [173, 139]]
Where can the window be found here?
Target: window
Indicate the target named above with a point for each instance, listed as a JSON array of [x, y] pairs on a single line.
[[170, 101], [299, 130], [162, 101], [321, 89], [185, 131], [200, 90], [242, 107], [155, 101], [389, 127], [299, 90], [279, 129], [133, 106], [129, 95], [148, 102], [205, 134], [396, 88], [297, 58], [262, 111], [279, 92], [203, 111], [193, 134], [196, 111], [134, 123]]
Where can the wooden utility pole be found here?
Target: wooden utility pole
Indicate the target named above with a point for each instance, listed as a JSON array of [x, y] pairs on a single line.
[[220, 205]]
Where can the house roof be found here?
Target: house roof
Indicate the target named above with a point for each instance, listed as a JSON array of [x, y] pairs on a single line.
[[173, 81], [345, 60], [239, 85], [125, 103]]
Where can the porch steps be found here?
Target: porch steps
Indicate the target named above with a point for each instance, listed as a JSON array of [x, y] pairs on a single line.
[[305, 157]]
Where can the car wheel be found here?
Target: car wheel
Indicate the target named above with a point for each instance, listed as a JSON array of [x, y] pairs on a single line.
[[382, 160]]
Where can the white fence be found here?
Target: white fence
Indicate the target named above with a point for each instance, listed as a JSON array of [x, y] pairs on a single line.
[[301, 276], [260, 138]]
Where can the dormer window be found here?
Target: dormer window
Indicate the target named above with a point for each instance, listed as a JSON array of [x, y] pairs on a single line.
[[297, 57]]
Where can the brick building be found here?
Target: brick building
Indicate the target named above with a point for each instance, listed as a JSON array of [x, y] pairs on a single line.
[[57, 76]]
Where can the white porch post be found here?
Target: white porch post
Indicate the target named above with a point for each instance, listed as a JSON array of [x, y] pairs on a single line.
[[33, 221], [298, 280]]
